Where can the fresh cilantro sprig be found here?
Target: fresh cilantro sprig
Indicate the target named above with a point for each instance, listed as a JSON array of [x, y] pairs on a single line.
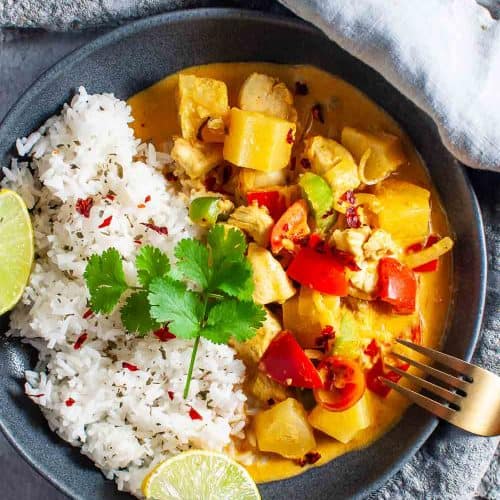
[[208, 293]]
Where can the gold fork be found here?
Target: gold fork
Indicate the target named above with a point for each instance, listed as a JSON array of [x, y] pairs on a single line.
[[473, 402]]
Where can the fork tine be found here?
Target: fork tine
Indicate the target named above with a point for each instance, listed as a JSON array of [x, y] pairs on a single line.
[[428, 404], [438, 374], [456, 364], [449, 396]]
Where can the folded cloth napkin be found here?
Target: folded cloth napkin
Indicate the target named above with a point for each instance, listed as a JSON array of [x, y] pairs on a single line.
[[437, 53]]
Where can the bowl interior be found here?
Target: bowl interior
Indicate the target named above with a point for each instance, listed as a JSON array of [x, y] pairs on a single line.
[[135, 56]]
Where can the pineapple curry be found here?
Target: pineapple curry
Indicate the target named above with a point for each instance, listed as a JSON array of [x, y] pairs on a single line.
[[348, 243]]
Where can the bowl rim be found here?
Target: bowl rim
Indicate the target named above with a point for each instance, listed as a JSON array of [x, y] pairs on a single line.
[[227, 13]]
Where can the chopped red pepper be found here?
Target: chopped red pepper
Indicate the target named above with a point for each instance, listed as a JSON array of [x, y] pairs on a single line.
[[397, 285], [106, 222], [289, 136], [352, 217], [317, 113], [301, 88], [170, 395], [129, 366], [292, 226], [80, 340], [147, 199], [164, 334], [110, 197], [69, 402], [88, 313], [274, 201], [319, 271], [343, 383], [348, 196], [430, 266], [194, 414], [154, 227], [372, 349], [83, 206], [286, 362], [326, 338]]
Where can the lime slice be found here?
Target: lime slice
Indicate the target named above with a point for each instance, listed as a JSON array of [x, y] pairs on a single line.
[[16, 248], [199, 475]]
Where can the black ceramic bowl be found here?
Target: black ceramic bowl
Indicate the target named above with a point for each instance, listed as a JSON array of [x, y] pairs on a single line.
[[137, 55]]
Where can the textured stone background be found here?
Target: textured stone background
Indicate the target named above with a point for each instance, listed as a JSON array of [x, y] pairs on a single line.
[[25, 54]]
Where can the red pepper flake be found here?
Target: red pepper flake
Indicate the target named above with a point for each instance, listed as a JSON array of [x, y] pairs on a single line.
[[69, 402], [430, 266], [36, 395], [88, 313], [301, 88], [352, 217], [170, 395], [305, 163], [348, 196], [289, 136], [80, 340], [327, 337], [129, 366], [158, 229], [106, 222], [194, 414], [171, 177], [147, 199], [347, 259], [110, 197], [138, 242], [317, 113], [164, 334], [83, 206], [309, 458], [141, 205], [372, 349], [328, 213]]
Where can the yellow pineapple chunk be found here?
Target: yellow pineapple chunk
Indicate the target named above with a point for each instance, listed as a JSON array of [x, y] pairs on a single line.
[[200, 99], [196, 158], [332, 161], [386, 153], [258, 141], [405, 211], [284, 429], [342, 425], [263, 388]]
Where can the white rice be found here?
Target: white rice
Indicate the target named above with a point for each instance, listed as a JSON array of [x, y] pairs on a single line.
[[125, 421]]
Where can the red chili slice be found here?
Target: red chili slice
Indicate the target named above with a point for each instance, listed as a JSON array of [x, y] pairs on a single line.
[[87, 314], [154, 227], [83, 206], [106, 222], [194, 414], [292, 225], [80, 340], [430, 266], [129, 366]]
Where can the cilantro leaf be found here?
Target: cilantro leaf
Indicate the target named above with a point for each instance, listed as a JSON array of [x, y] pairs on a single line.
[[172, 302], [234, 279], [233, 318], [227, 245], [135, 314], [105, 280], [192, 264], [151, 263]]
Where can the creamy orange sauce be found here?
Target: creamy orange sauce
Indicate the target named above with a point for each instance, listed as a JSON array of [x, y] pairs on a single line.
[[155, 114]]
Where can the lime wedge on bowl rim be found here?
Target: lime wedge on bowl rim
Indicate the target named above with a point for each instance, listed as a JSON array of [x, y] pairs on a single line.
[[16, 248], [200, 475]]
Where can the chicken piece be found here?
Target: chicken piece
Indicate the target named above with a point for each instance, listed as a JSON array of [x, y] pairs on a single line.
[[333, 162], [199, 99], [265, 94], [265, 389], [270, 280], [196, 158], [252, 350], [252, 180], [352, 241], [255, 221], [366, 279], [379, 243]]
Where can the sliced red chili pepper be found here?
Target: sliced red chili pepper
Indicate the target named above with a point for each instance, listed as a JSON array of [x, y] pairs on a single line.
[[170, 395], [343, 383], [352, 218], [292, 226], [286, 362], [319, 271], [106, 222], [430, 266], [274, 201], [397, 285], [88, 313], [194, 414], [129, 366], [83, 206], [349, 197], [154, 227], [69, 402], [164, 334], [80, 340]]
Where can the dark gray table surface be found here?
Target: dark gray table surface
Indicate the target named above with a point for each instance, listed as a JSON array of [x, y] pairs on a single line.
[[24, 55]]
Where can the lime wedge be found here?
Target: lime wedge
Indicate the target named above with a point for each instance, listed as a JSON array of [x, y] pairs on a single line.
[[199, 475], [16, 248]]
